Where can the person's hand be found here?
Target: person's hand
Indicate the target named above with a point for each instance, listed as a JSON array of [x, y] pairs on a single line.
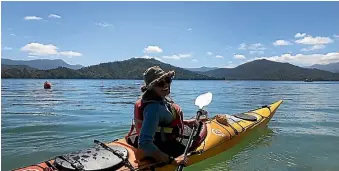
[[180, 160], [194, 122], [203, 119], [191, 123]]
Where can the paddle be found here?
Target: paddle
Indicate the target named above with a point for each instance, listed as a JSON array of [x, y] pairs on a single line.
[[201, 101]]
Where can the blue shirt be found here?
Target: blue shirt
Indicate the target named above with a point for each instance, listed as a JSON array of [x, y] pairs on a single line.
[[155, 114]]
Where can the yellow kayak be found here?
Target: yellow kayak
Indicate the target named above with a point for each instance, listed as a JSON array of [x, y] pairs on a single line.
[[218, 134]]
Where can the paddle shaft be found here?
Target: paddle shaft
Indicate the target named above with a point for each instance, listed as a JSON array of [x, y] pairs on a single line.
[[190, 140]]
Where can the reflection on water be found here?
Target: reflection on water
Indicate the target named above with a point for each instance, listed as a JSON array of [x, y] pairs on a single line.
[[38, 124], [259, 138]]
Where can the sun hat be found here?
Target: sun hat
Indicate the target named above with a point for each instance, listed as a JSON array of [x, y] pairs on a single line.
[[153, 75]]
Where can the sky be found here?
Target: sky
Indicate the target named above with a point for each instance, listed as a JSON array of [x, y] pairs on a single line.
[[184, 34]]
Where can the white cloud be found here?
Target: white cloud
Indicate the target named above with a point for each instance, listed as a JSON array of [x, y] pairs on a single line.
[[172, 57], [40, 49], [281, 43], [219, 56], [178, 57], [12, 34], [254, 48], [153, 49], [185, 55], [305, 60], [54, 16], [242, 46], [104, 24], [229, 65], [7, 48], [209, 53], [299, 35], [70, 53], [256, 52], [336, 36], [37, 49], [189, 29], [149, 57], [314, 47], [239, 56], [309, 40], [32, 18]]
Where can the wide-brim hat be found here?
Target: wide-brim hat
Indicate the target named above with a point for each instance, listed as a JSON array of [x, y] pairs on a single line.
[[155, 74]]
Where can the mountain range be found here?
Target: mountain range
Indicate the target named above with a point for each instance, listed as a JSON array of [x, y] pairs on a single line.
[[332, 67], [134, 67], [42, 64], [268, 70], [128, 69], [202, 69]]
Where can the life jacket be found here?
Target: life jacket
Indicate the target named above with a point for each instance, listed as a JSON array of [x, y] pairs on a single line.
[[172, 131]]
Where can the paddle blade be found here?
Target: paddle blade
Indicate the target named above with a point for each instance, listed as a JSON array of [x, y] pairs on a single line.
[[203, 100]]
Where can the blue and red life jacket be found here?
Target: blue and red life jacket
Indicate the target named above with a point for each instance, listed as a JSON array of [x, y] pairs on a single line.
[[172, 131]]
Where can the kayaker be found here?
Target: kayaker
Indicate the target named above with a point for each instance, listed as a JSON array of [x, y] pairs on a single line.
[[155, 113], [47, 85]]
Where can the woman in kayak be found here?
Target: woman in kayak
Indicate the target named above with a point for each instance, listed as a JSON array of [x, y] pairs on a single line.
[[158, 121]]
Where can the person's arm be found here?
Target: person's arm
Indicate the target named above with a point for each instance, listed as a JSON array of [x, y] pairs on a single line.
[[148, 130]]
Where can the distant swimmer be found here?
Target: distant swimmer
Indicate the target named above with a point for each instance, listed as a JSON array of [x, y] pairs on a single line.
[[47, 85]]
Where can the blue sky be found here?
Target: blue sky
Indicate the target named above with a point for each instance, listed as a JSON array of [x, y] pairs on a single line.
[[185, 34]]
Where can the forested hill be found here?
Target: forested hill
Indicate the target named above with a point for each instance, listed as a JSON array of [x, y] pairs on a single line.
[[269, 70], [128, 69]]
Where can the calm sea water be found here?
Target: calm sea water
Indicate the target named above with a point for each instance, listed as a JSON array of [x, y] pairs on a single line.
[[38, 124]]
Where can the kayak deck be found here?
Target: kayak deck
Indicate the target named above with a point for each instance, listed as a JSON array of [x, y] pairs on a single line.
[[221, 136]]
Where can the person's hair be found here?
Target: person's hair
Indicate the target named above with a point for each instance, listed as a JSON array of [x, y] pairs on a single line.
[[143, 88], [150, 95]]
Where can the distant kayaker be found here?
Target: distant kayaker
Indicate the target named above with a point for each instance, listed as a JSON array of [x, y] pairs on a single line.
[[47, 85], [158, 120]]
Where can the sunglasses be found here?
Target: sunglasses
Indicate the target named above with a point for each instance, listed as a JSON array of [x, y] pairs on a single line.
[[162, 83]]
